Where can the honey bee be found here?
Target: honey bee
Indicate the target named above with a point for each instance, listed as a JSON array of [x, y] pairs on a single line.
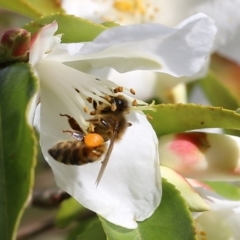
[[88, 147], [108, 124]]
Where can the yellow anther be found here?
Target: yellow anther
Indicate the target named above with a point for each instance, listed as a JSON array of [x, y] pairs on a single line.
[[132, 6], [124, 5]]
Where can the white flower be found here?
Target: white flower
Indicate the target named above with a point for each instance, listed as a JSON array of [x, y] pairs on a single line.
[[222, 221], [130, 189], [215, 217], [205, 156], [195, 26], [167, 12], [170, 13], [226, 16]]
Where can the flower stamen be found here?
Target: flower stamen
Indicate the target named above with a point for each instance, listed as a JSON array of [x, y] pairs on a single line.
[[145, 106], [89, 99], [149, 117], [118, 89], [85, 109], [113, 107], [134, 102], [132, 91], [130, 6], [87, 95]]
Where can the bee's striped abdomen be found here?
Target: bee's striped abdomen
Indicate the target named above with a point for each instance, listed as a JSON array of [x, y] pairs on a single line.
[[76, 152]]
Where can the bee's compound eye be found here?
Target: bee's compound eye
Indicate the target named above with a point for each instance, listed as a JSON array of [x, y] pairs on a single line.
[[93, 140]]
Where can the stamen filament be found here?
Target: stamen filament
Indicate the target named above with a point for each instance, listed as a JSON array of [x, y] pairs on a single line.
[[149, 107]]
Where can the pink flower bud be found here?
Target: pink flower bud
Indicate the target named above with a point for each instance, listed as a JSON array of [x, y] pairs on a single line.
[[203, 156], [15, 45]]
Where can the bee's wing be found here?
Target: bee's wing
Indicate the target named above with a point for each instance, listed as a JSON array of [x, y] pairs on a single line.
[[106, 159], [78, 135]]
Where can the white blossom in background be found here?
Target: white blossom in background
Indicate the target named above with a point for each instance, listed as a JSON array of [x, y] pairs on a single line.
[[167, 12], [170, 13], [193, 156], [222, 221], [130, 189]]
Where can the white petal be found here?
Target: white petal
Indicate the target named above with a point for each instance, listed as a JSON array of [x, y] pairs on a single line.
[[31, 108], [149, 85], [231, 49], [96, 11], [42, 42], [179, 51], [224, 215], [226, 16], [36, 119], [215, 201], [123, 12], [130, 188], [219, 225], [169, 12], [143, 82], [194, 201]]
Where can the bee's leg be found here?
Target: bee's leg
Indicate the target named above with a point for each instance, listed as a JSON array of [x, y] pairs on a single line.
[[94, 105], [72, 122], [129, 124], [76, 134], [65, 115]]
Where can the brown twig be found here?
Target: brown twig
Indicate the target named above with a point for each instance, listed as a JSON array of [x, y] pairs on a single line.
[[35, 229], [49, 198]]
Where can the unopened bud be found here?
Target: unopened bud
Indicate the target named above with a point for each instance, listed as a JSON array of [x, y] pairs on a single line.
[[14, 45]]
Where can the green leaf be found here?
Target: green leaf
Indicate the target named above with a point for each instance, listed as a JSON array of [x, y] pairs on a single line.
[[226, 76], [69, 210], [46, 7], [74, 29], [32, 8], [225, 189], [17, 145], [217, 93], [171, 220], [20, 7], [110, 24], [172, 118], [95, 231], [221, 85], [72, 211]]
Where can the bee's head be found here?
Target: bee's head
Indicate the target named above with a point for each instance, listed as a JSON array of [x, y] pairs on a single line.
[[120, 102]]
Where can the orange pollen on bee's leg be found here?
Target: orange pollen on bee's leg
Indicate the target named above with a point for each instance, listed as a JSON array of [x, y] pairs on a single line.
[[93, 140]]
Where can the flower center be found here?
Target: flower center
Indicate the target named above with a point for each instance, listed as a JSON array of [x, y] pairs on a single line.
[[130, 11], [134, 11], [96, 97], [201, 234], [130, 6]]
